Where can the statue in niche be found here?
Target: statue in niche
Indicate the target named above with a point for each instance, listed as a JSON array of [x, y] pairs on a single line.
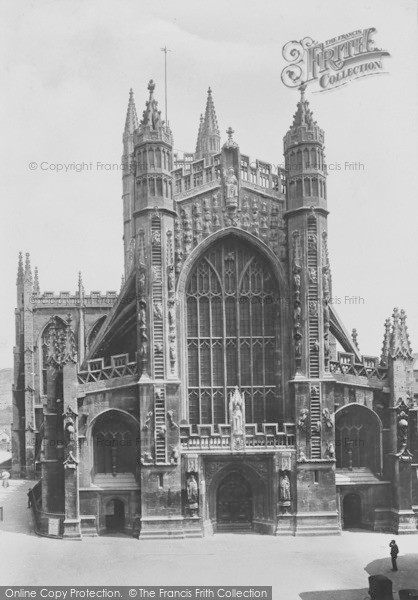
[[170, 278], [237, 412], [285, 488], [192, 491], [231, 188]]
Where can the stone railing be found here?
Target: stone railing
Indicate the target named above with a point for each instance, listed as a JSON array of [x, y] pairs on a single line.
[[206, 440], [98, 372], [367, 369]]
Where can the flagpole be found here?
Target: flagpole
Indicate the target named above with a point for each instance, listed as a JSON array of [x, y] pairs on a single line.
[[165, 50]]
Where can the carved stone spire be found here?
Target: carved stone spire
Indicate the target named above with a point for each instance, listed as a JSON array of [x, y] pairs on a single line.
[[208, 139], [211, 122], [151, 115], [28, 270], [20, 274], [122, 282], [406, 344], [386, 344], [400, 346], [303, 114], [131, 123], [36, 288]]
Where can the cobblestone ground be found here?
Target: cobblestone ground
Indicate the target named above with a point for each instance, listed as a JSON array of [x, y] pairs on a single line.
[[317, 568]]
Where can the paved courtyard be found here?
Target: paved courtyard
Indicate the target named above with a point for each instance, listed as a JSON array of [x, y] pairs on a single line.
[[318, 568]]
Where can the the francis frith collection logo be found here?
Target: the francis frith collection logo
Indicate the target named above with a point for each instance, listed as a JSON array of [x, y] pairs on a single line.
[[334, 63]]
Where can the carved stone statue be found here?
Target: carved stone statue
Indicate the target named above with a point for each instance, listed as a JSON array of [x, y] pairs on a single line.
[[231, 188], [236, 407], [285, 488], [192, 491]]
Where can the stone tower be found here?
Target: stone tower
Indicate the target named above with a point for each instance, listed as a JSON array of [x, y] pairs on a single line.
[[310, 284], [153, 228]]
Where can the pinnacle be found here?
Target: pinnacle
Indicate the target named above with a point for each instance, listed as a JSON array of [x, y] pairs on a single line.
[[36, 288], [210, 121], [20, 273], [303, 114], [28, 270], [131, 123], [151, 115], [208, 130]]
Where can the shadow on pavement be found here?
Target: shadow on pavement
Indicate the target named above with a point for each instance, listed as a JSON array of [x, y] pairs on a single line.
[[405, 578]]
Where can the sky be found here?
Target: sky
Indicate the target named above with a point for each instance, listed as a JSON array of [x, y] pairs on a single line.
[[65, 75]]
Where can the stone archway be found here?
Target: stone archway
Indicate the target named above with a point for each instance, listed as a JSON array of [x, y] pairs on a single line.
[[234, 503]]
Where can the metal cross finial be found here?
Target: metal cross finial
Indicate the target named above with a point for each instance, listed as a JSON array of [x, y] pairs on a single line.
[[151, 85], [230, 131]]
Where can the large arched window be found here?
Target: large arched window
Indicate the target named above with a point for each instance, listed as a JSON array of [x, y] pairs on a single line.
[[232, 334], [357, 438], [115, 444]]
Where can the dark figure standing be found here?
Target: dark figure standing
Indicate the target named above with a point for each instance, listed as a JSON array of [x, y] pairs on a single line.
[[30, 498], [394, 551]]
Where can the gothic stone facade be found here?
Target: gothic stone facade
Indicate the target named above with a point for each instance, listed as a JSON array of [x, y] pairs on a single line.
[[219, 389]]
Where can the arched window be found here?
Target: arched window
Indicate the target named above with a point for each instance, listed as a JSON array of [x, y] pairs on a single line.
[[232, 334], [114, 444], [357, 438]]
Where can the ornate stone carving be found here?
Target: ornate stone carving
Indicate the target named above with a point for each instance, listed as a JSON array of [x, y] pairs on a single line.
[[70, 462], [148, 420], [327, 418], [170, 418], [303, 419], [402, 417], [146, 459], [330, 450], [143, 334], [158, 311]]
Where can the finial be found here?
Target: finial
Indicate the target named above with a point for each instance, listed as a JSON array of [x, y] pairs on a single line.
[[122, 281], [302, 89], [131, 93], [230, 132], [209, 91], [151, 86]]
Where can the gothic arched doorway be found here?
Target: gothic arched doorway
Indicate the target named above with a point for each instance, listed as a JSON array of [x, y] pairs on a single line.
[[115, 515], [352, 511], [234, 503]]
